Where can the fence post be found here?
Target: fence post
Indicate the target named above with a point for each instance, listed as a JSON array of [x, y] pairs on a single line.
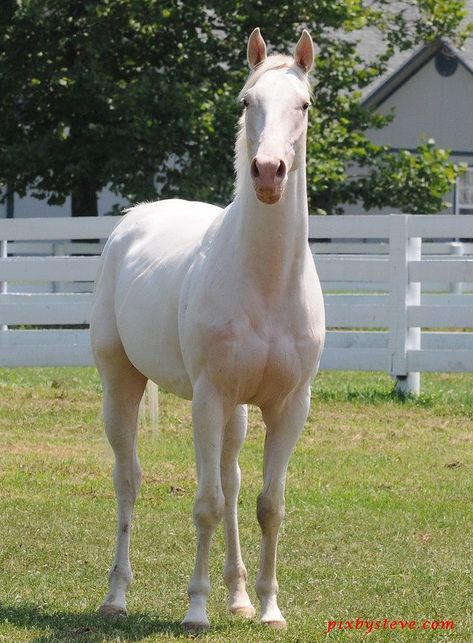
[[457, 250], [58, 251], [403, 294], [3, 284], [149, 406]]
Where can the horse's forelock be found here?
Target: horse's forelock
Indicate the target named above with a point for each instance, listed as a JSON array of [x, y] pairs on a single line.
[[278, 61]]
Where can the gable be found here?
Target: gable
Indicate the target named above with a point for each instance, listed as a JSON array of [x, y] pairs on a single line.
[[430, 104]]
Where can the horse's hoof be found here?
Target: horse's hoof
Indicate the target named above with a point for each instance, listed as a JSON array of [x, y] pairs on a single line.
[[244, 611], [276, 625], [192, 627], [109, 611]]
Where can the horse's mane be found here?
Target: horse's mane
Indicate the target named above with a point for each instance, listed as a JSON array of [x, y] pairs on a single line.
[[278, 61]]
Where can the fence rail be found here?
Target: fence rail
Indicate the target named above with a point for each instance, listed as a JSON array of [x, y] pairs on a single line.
[[421, 299], [398, 291]]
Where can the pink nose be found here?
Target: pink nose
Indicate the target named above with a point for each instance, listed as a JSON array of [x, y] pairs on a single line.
[[268, 174]]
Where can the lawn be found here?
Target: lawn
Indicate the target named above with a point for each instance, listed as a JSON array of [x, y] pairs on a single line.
[[378, 522]]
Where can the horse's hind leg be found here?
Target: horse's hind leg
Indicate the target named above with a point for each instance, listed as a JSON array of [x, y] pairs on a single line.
[[123, 388], [235, 572]]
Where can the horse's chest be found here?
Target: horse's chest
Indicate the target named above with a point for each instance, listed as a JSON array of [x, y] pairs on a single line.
[[284, 366], [258, 364]]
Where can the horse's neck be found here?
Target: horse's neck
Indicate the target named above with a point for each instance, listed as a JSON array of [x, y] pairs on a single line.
[[272, 240]]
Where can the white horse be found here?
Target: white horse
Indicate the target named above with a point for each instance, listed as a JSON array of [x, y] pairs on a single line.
[[224, 308]]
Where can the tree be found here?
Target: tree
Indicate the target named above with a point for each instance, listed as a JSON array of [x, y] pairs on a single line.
[[141, 95], [97, 93]]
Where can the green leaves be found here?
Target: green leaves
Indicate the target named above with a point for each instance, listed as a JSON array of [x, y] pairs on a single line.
[[141, 95], [415, 183]]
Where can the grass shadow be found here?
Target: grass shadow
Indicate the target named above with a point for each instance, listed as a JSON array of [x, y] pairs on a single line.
[[377, 389], [364, 396], [86, 627], [381, 396], [458, 403]]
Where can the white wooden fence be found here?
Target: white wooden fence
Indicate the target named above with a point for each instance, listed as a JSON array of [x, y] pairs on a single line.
[[402, 314], [403, 306]]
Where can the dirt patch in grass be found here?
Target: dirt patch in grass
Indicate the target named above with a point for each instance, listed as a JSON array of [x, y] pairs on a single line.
[[60, 451]]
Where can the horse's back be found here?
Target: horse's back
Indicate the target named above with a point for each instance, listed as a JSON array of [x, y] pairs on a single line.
[[162, 229], [138, 286]]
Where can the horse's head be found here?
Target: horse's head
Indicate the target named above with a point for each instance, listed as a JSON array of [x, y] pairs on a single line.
[[276, 99]]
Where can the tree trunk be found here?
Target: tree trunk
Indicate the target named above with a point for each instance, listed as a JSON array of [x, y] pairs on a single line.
[[84, 200], [84, 204], [10, 203]]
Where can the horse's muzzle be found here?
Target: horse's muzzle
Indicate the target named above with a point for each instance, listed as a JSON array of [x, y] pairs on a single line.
[[269, 197], [269, 177]]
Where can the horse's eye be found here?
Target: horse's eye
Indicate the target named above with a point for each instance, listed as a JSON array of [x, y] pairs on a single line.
[[244, 102], [306, 106]]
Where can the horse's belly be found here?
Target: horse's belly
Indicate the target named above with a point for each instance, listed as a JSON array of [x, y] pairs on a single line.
[[148, 331]]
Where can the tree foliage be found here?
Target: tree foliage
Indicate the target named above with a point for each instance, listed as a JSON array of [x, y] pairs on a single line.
[[141, 95], [98, 93]]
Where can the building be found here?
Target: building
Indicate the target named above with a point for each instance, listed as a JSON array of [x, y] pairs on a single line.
[[430, 92]]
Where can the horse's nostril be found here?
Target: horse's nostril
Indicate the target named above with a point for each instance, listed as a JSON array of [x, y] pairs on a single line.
[[254, 169], [281, 171], [271, 169]]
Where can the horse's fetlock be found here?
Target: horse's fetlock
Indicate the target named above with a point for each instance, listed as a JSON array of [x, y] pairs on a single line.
[[198, 587], [119, 573], [234, 573], [266, 588]]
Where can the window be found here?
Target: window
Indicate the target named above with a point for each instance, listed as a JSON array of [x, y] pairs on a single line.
[[464, 193], [446, 62]]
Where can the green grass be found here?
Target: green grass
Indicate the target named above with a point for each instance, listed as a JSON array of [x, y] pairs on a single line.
[[378, 524]]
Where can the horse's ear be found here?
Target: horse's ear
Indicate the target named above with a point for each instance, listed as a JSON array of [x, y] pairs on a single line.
[[256, 51], [304, 52]]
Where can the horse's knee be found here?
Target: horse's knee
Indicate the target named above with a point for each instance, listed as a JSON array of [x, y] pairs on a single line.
[[270, 510], [208, 510]]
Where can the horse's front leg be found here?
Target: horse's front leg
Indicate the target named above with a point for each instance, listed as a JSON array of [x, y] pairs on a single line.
[[208, 420], [235, 572], [283, 428]]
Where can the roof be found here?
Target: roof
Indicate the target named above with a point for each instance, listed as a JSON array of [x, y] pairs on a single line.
[[404, 64]]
